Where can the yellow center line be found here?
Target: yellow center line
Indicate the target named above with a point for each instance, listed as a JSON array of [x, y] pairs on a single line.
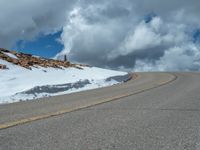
[[64, 111]]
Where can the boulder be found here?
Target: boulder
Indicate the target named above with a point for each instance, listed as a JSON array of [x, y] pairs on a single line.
[[3, 66]]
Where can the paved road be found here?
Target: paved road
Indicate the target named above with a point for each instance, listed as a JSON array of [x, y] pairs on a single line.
[[155, 111]]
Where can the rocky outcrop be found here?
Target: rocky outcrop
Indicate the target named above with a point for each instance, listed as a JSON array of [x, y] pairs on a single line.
[[28, 61], [3, 66]]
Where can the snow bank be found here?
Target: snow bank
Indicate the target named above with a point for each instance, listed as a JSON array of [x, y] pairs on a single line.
[[11, 55], [17, 83]]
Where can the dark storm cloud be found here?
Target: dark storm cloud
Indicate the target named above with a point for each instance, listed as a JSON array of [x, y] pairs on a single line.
[[25, 19]]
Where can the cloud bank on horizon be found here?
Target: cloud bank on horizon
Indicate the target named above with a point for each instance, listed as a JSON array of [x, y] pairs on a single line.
[[139, 35]]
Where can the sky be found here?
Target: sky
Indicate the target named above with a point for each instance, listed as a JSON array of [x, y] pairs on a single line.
[[132, 35], [43, 45]]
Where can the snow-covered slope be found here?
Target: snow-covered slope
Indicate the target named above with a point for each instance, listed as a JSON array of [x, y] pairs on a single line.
[[18, 83]]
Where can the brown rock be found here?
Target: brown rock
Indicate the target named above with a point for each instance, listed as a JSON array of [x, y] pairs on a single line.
[[28, 61], [3, 66]]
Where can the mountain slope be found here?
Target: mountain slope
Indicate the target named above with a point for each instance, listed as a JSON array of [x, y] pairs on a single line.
[[24, 77], [28, 61]]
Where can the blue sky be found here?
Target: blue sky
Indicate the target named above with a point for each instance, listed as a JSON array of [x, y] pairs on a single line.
[[43, 45]]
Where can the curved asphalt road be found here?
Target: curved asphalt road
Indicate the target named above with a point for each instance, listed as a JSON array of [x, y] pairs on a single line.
[[155, 111]]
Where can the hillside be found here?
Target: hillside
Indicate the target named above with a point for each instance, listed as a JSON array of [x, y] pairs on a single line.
[[28, 61], [26, 77]]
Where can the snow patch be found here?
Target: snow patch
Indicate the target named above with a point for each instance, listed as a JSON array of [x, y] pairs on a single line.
[[10, 55], [17, 82]]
